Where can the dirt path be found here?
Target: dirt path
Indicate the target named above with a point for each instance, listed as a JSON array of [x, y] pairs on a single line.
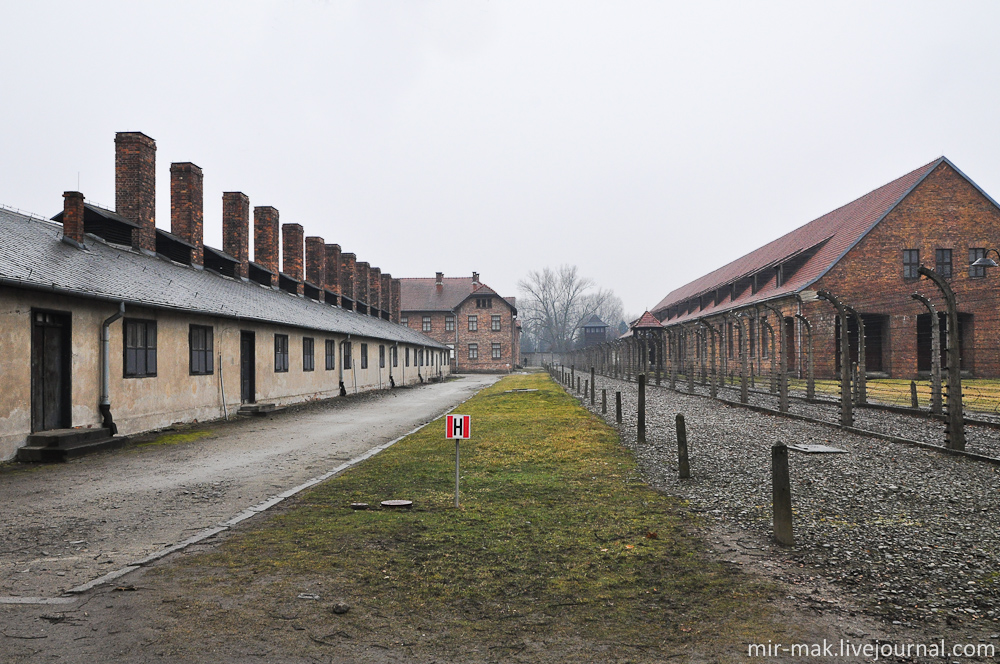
[[66, 525]]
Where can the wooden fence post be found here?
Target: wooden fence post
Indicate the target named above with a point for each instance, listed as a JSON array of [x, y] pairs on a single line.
[[641, 430], [781, 495], [682, 448]]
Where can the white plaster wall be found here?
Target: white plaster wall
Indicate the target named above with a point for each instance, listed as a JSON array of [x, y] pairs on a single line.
[[174, 395]]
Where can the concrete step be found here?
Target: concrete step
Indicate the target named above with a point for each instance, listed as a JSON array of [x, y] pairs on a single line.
[[67, 438], [258, 409], [54, 453]]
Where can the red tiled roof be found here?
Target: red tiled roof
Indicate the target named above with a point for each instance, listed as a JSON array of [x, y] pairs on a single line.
[[422, 294], [828, 238], [647, 320]]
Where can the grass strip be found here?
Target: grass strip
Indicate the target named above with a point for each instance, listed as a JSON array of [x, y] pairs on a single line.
[[558, 539]]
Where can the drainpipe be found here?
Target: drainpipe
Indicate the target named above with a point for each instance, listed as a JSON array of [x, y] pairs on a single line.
[[105, 404]]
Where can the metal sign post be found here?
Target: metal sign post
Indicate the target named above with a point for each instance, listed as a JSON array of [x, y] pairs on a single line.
[[458, 427]]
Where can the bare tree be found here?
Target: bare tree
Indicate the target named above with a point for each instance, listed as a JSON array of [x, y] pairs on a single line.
[[554, 303]]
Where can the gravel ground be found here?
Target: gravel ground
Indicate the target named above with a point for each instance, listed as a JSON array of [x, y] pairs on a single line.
[[981, 439], [900, 531]]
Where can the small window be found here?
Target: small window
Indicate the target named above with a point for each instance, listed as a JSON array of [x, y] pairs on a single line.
[[451, 352], [381, 356], [407, 357], [975, 255], [496, 351], [420, 355], [484, 303], [495, 323], [308, 354], [404, 320], [473, 351], [364, 356], [425, 324], [200, 344], [911, 261], [140, 348], [346, 361], [280, 352], [942, 262], [473, 323], [449, 323], [331, 354], [395, 356]]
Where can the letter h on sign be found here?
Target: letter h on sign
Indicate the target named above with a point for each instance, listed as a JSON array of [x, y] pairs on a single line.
[[458, 426]]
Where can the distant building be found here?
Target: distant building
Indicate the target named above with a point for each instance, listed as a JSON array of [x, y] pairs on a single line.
[[594, 331], [478, 325], [867, 253]]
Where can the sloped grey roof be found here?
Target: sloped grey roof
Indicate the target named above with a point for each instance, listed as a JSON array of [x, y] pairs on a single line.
[[33, 255]]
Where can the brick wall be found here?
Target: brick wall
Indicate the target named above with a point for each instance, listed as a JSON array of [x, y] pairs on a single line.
[[943, 212], [484, 337]]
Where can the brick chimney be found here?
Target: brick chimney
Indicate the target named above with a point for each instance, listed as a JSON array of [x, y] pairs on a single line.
[[265, 238], [361, 282], [394, 300], [292, 250], [187, 208], [386, 292], [72, 219], [347, 268], [333, 268], [439, 281], [316, 261], [236, 228], [475, 278], [375, 287], [135, 185]]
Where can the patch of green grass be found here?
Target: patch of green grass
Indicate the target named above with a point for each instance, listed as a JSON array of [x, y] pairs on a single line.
[[179, 438], [557, 535]]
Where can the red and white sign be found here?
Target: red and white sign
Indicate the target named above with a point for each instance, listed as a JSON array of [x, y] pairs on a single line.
[[458, 426]]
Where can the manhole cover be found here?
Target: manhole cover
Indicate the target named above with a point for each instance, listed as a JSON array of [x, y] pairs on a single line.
[[815, 448], [359, 506], [397, 504]]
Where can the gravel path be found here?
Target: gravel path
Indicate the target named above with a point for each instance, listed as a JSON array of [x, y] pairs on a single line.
[[903, 531], [981, 439], [64, 525]]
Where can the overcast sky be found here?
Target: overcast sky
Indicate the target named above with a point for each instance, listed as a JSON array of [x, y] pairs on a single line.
[[645, 142]]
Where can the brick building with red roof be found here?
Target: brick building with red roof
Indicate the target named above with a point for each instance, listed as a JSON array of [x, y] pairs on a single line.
[[865, 253], [479, 326]]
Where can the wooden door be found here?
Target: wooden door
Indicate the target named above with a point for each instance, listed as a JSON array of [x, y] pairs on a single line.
[[51, 355], [248, 368]]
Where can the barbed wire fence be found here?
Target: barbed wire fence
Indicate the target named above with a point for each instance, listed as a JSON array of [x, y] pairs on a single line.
[[786, 358]]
